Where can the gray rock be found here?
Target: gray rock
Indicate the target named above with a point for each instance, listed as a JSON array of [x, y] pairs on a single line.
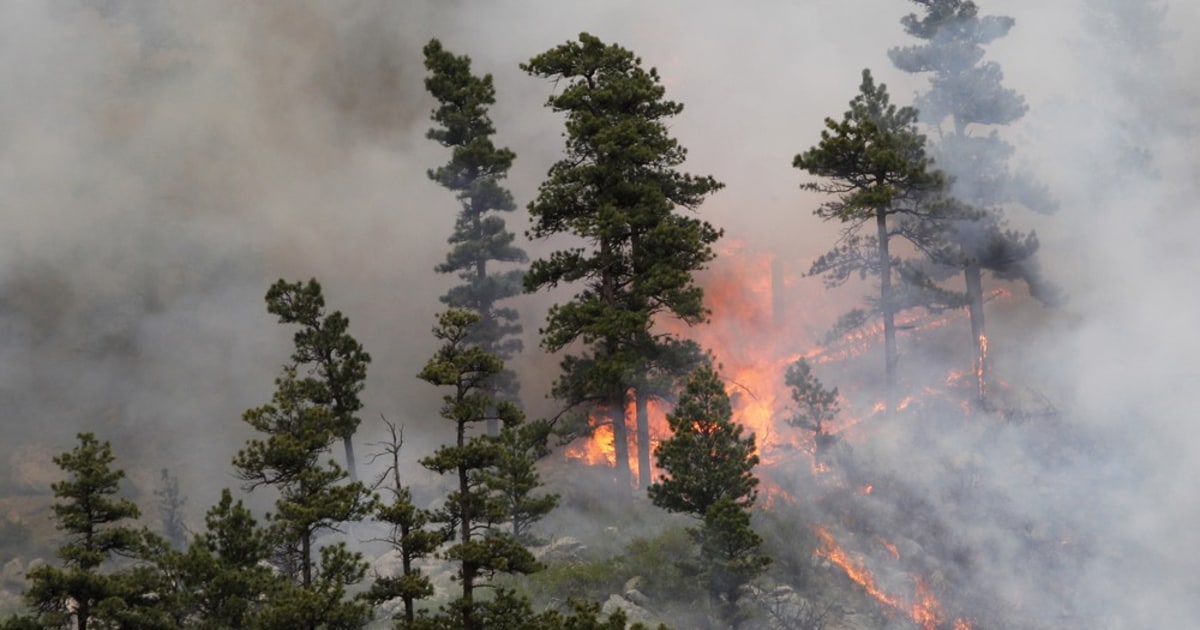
[[909, 549], [637, 597], [387, 565], [12, 571], [633, 612], [565, 549]]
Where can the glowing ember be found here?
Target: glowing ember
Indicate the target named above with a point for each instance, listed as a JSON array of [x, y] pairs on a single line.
[[979, 366], [926, 610]]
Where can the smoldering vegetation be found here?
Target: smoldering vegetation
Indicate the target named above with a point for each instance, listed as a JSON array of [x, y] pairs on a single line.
[[162, 163]]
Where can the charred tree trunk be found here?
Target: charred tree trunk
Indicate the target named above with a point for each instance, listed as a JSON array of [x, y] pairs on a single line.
[[973, 276], [642, 401], [887, 305]]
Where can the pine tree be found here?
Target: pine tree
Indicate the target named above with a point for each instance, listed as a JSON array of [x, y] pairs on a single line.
[[668, 363], [298, 428], [480, 237], [708, 474], [93, 519], [170, 510], [619, 191], [965, 98], [337, 360], [472, 512], [816, 406], [515, 477], [410, 537], [222, 580], [874, 162]]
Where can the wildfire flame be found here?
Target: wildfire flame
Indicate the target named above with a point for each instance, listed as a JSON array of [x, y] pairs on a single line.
[[979, 366], [830, 550], [925, 609], [753, 341]]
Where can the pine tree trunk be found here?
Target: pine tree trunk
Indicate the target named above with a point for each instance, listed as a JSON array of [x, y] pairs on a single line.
[[306, 560], [616, 413], [470, 568], [485, 321], [643, 439], [351, 464], [886, 303], [973, 276], [410, 612]]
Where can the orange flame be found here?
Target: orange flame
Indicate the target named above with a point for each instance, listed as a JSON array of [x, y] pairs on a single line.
[[925, 610], [979, 366], [855, 571], [754, 338]]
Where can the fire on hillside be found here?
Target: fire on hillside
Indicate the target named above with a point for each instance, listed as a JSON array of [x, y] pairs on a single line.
[[753, 337]]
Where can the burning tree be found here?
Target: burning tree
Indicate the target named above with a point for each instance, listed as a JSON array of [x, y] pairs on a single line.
[[966, 94], [480, 237], [874, 162], [709, 475], [618, 190]]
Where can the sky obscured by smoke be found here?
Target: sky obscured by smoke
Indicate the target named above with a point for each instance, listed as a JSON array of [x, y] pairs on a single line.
[[162, 163]]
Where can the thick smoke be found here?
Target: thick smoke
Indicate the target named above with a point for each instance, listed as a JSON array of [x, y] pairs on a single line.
[[163, 162]]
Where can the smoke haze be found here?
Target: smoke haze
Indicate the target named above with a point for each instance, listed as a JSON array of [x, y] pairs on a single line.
[[162, 163]]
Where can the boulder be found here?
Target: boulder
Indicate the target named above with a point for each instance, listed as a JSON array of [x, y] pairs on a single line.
[[565, 549], [633, 612], [12, 571], [637, 597]]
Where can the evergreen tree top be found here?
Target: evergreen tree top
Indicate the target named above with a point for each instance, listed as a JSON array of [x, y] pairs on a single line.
[[872, 158], [88, 510], [617, 189], [963, 86], [707, 459]]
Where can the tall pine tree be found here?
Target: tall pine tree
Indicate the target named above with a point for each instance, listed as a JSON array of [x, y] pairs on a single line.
[[619, 191], [480, 239], [965, 102], [473, 511], [335, 359], [873, 161], [315, 497]]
